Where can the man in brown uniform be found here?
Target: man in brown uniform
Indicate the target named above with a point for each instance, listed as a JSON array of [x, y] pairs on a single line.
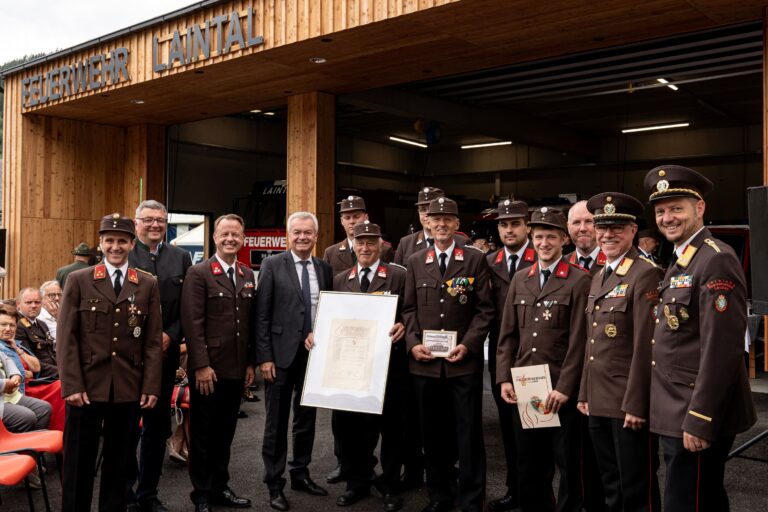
[[516, 254], [447, 288], [358, 432], [217, 321], [422, 239], [581, 229], [616, 381], [33, 333], [544, 323], [110, 359], [700, 394], [341, 256]]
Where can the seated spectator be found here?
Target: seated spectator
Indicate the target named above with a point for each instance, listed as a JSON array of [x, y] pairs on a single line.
[[51, 293], [33, 334]]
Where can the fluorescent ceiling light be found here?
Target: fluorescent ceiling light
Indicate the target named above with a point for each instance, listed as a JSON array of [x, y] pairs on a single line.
[[409, 142], [666, 82], [657, 127], [255, 111], [487, 144], [269, 113], [672, 86]]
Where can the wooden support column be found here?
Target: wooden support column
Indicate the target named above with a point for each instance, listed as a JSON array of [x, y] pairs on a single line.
[[311, 163], [765, 176], [144, 176]]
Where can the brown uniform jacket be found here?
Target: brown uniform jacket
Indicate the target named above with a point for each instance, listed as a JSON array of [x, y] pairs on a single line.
[[698, 379], [414, 242], [545, 326], [106, 342], [217, 319], [429, 305], [596, 265], [500, 286], [36, 338], [620, 321], [341, 256]]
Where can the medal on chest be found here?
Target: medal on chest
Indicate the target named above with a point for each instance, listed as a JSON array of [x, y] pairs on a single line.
[[547, 314]]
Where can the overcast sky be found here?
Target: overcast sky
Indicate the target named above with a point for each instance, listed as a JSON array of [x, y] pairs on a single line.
[[33, 26]]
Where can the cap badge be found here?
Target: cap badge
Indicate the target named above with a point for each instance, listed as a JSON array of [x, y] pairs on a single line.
[[662, 185], [116, 216], [426, 189], [544, 210], [350, 198], [609, 209], [506, 203], [441, 200], [662, 172]]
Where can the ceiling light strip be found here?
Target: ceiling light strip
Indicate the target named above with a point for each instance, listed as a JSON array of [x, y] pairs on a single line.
[[657, 127], [487, 144], [409, 142]]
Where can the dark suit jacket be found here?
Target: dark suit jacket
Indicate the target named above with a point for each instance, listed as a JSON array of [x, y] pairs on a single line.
[[698, 377], [170, 268], [341, 257], [429, 305], [217, 318], [500, 287], [410, 244], [617, 364], [36, 339], [280, 308], [545, 325], [97, 346], [63, 272]]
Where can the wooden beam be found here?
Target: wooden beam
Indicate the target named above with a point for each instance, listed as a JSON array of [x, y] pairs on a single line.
[[765, 159], [310, 161], [144, 166]]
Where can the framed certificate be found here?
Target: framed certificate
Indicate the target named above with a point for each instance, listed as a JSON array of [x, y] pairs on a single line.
[[532, 386], [347, 367], [440, 343]]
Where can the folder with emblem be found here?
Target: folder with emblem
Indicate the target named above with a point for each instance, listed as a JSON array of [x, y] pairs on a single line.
[[532, 386]]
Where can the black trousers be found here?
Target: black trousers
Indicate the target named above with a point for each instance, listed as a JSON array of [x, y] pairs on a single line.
[[695, 480], [592, 490], [119, 424], [212, 424], [451, 426], [628, 461], [413, 450], [274, 451], [507, 412], [156, 429], [538, 451]]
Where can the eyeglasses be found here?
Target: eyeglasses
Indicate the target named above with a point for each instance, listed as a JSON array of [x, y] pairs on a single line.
[[613, 228], [54, 295], [148, 221]]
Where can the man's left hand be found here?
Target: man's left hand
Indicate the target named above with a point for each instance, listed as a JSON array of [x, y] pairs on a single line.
[[397, 332], [633, 422], [166, 342], [250, 375], [457, 354], [694, 444], [147, 401], [555, 400]]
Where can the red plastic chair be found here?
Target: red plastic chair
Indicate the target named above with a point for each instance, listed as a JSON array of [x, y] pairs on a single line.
[[15, 467]]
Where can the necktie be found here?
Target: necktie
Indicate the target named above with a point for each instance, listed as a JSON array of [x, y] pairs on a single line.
[[585, 261], [443, 266], [545, 274], [231, 276], [607, 272], [307, 296], [512, 265], [365, 282], [430, 242], [118, 284]]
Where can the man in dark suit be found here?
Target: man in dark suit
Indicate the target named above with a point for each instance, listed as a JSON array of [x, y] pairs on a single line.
[[581, 229], [289, 288], [33, 333], [109, 340], [358, 433], [169, 265], [544, 323], [217, 320], [516, 254], [701, 396], [447, 288], [615, 391]]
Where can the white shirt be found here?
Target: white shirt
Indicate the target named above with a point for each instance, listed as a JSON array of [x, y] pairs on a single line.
[[519, 254], [679, 248], [314, 286], [448, 252], [225, 266], [48, 320], [111, 270], [592, 255], [373, 268], [551, 269]]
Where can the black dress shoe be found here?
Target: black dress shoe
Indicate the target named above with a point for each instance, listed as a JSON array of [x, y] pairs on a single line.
[[227, 498], [277, 500], [506, 503], [352, 496], [438, 506], [392, 503], [334, 476], [203, 507], [308, 486]]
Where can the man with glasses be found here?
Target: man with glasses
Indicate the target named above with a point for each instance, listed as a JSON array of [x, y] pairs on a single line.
[[51, 293], [169, 265]]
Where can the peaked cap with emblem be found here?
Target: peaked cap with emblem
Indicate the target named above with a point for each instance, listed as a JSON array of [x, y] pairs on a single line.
[[427, 194], [82, 249], [115, 222], [667, 181], [351, 203], [366, 229], [443, 206], [547, 217], [509, 209], [614, 208]]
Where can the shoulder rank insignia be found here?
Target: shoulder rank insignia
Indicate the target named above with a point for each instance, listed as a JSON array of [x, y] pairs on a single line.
[[430, 257], [562, 270], [342, 247], [600, 258], [712, 244], [500, 256], [681, 281], [685, 259], [25, 322], [532, 270], [458, 254], [99, 272], [240, 269], [216, 268], [529, 255], [619, 291], [648, 260], [133, 276], [624, 266], [381, 271]]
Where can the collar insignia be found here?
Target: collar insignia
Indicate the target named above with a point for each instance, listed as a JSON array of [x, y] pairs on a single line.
[[381, 271], [624, 266], [500, 256], [562, 269], [25, 322], [532, 270], [529, 255], [601, 258], [353, 274], [458, 254], [216, 268], [685, 259], [99, 272], [133, 276], [430, 257]]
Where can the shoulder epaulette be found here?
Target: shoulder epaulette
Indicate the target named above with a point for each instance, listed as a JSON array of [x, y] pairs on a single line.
[[398, 266], [576, 265], [712, 244], [473, 247], [648, 260], [145, 272]]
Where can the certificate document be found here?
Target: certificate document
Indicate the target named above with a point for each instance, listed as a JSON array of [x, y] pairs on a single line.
[[532, 386], [347, 367], [440, 343]]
